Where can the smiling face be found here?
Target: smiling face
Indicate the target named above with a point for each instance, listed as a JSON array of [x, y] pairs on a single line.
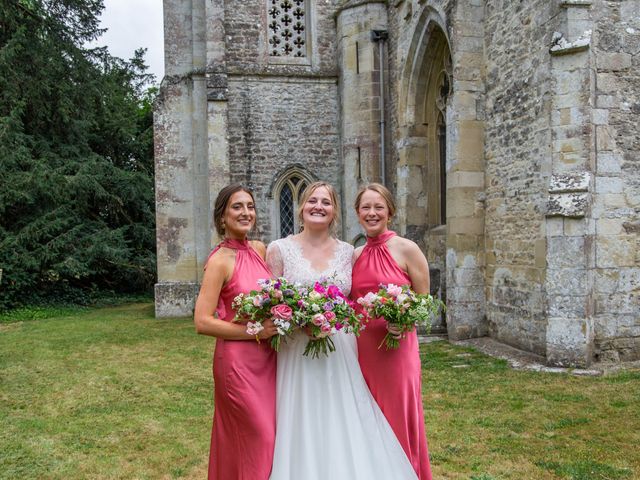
[[319, 209], [239, 215], [373, 213]]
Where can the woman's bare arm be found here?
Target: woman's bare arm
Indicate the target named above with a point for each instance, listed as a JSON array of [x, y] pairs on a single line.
[[219, 270]]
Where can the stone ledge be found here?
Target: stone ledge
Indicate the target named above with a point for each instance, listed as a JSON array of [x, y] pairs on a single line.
[[519, 359], [522, 360], [349, 4], [569, 183], [560, 45], [575, 3], [572, 205]]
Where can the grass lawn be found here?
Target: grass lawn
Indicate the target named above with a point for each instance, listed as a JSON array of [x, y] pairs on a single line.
[[114, 393]]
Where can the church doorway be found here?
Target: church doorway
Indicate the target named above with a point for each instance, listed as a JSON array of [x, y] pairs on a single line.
[[422, 168]]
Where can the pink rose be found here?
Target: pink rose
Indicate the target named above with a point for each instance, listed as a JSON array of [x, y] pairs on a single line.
[[329, 315], [282, 311], [325, 328], [394, 290], [319, 288], [318, 319], [277, 294]]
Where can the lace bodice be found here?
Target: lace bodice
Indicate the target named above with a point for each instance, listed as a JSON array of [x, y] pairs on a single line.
[[285, 259]]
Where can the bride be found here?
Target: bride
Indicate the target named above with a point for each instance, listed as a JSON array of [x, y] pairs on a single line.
[[328, 424]]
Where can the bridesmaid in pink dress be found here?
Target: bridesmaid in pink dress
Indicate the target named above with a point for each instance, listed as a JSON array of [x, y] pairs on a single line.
[[244, 371], [393, 376]]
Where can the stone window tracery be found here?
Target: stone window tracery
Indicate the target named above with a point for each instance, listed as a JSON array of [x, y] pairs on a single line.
[[287, 28]]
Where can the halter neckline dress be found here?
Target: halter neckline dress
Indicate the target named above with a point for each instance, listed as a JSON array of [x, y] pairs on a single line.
[[244, 373], [393, 376]]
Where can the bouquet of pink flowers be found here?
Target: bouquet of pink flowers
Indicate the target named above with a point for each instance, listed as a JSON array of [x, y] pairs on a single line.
[[277, 300], [401, 307], [325, 310]]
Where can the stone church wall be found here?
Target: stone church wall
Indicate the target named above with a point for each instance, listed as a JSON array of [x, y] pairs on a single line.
[[276, 124], [616, 204], [280, 113], [540, 248], [518, 156]]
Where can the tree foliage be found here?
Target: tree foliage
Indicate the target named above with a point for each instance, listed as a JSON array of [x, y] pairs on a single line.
[[76, 157]]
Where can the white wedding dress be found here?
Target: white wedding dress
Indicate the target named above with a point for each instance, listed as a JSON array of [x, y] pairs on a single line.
[[328, 427]]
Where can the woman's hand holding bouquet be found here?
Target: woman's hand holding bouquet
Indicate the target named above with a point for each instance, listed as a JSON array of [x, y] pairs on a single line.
[[402, 308], [276, 300], [324, 311]]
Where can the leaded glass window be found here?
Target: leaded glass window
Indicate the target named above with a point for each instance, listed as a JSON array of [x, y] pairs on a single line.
[[288, 201], [287, 28], [287, 212]]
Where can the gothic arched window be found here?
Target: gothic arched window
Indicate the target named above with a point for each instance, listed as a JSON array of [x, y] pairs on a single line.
[[287, 196], [438, 212]]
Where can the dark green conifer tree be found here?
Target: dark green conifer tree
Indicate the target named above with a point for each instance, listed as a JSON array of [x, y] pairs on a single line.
[[76, 158]]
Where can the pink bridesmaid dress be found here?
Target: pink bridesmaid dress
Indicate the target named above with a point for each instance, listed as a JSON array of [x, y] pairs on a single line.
[[244, 374], [393, 376]]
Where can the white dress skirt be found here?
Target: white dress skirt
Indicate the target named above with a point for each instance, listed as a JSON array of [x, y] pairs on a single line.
[[329, 427]]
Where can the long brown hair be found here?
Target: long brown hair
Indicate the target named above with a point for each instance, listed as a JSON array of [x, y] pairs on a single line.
[[306, 194], [222, 201]]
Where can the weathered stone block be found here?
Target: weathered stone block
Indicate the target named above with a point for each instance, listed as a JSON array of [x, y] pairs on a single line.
[[609, 162], [465, 277], [568, 204], [467, 293], [567, 281], [609, 226], [600, 116], [566, 183], [615, 251], [607, 101], [609, 185], [608, 83], [568, 306], [578, 227], [465, 320], [613, 61], [569, 342], [470, 147], [555, 226], [174, 299], [619, 303], [561, 46], [605, 325], [469, 225]]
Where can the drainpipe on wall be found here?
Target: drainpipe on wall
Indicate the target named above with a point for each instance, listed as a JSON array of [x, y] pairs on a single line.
[[381, 36]]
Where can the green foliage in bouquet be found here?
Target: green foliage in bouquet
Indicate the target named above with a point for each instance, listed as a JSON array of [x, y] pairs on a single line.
[[402, 308], [277, 300]]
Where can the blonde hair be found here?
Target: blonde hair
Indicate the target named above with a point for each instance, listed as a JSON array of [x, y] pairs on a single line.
[[383, 191], [306, 194]]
